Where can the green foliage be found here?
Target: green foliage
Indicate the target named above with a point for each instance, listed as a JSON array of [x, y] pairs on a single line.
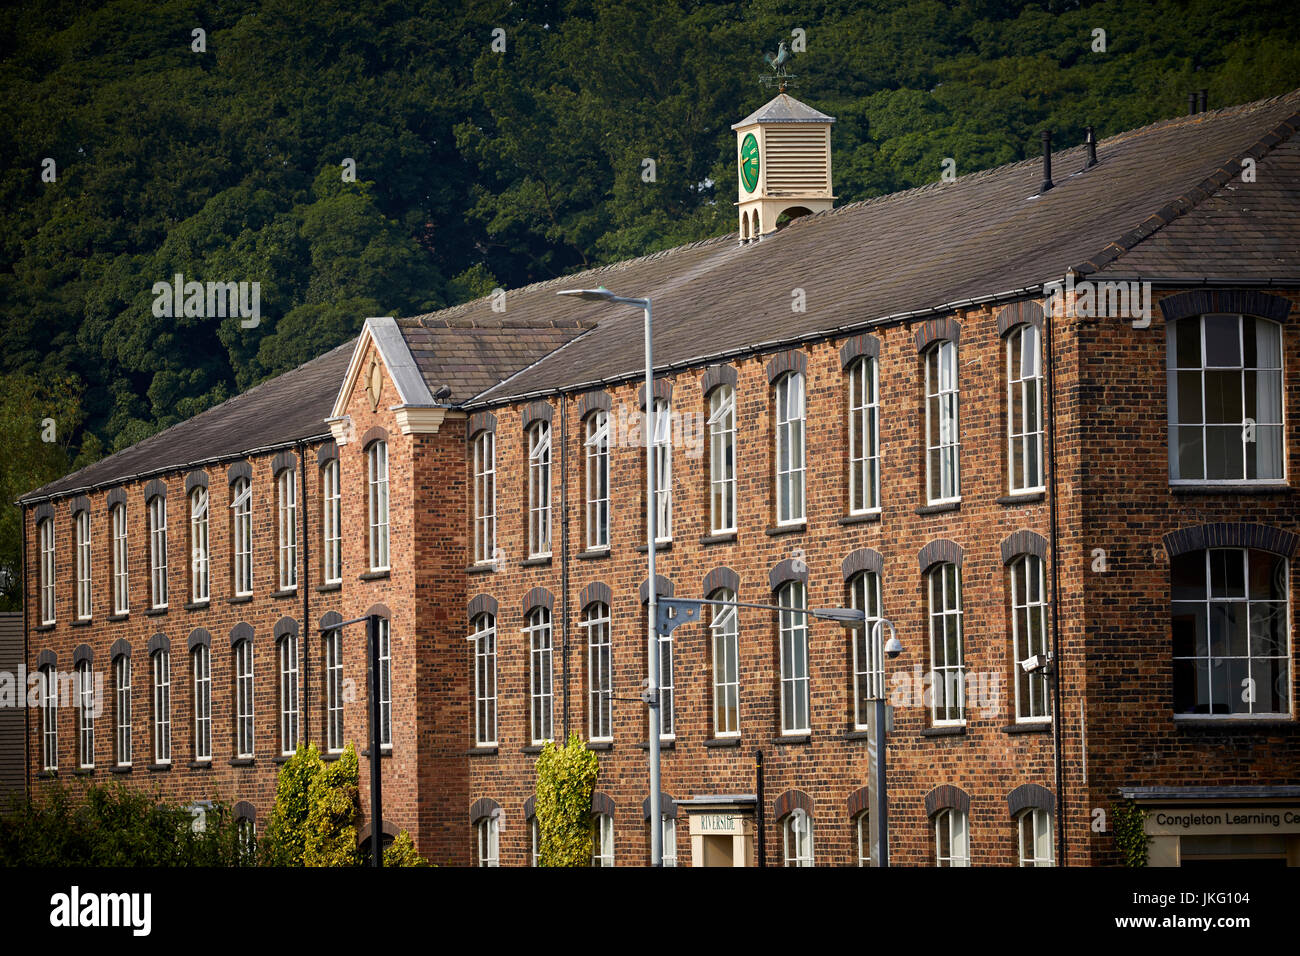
[[114, 826], [401, 852], [313, 822], [1130, 832], [566, 777]]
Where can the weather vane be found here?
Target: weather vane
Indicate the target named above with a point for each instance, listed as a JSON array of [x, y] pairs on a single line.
[[777, 62]]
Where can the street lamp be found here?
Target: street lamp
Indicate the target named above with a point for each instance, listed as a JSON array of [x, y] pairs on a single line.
[[652, 683]]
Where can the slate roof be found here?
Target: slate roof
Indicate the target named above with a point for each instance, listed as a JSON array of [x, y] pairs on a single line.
[[784, 109]]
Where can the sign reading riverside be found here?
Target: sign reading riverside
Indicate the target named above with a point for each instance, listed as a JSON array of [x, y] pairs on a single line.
[[1238, 819]]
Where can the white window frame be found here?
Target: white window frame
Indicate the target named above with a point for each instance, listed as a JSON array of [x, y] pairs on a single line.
[[864, 436], [385, 684], [868, 669], [49, 718], [667, 688], [668, 840], [286, 486], [334, 690], [954, 826], [724, 629], [122, 709], [602, 842], [541, 676], [1248, 435], [200, 553], [942, 416], [46, 533], [596, 444], [862, 829], [485, 496], [796, 678], [947, 674], [1034, 830], [1028, 571], [488, 838], [201, 666], [331, 523], [484, 639], [158, 551], [84, 608], [85, 686], [289, 709], [245, 703], [377, 504], [600, 671], [539, 489], [241, 506], [661, 420], [121, 565], [722, 460], [797, 838], [1024, 389], [161, 665], [535, 835], [791, 449]]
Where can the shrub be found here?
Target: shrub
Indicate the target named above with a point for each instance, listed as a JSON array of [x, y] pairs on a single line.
[[566, 777], [401, 852]]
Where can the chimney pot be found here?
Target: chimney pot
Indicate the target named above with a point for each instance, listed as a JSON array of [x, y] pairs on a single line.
[[1203, 101], [1047, 162], [1090, 140], [1191, 103]]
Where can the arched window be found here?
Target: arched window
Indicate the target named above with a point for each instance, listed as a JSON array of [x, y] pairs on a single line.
[[158, 551], [539, 489], [201, 659], [1225, 399], [46, 535], [947, 652], [286, 493], [377, 483], [244, 743], [200, 581], [864, 436], [121, 589], [331, 523], [722, 460], [241, 507], [793, 627], [82, 521], [726, 665], [122, 708], [49, 717], [1035, 829], [86, 706], [862, 832], [796, 830], [161, 661], [663, 469], [790, 448], [484, 638], [488, 838], [1024, 410], [951, 838], [333, 657], [1029, 637], [288, 693], [485, 495], [868, 668], [600, 672], [1230, 632], [596, 444], [602, 840], [942, 442], [541, 689], [385, 684]]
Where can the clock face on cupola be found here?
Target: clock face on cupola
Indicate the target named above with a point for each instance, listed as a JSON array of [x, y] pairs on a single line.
[[749, 163]]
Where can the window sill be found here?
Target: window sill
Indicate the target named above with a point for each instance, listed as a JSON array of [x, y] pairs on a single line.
[[384, 753], [242, 761], [284, 593], [726, 537], [481, 752], [127, 768], [1236, 725], [954, 731], [124, 616], [200, 765], [82, 622], [198, 605], [329, 588], [670, 744], [594, 554], [942, 508], [544, 561], [659, 546], [156, 612], [722, 742], [83, 771], [374, 575], [1037, 727], [1263, 488], [857, 735], [329, 756], [240, 599], [786, 739], [159, 767], [46, 774], [1027, 498], [281, 758], [798, 527], [532, 749], [867, 518], [600, 745], [483, 567], [44, 627]]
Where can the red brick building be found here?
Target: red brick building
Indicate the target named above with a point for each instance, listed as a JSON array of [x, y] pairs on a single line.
[[1016, 418]]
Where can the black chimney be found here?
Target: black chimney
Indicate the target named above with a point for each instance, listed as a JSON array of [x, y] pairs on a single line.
[[1047, 162], [1202, 101], [1191, 103], [1090, 141]]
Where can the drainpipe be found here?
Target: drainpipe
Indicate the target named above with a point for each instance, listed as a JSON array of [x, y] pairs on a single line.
[[760, 816], [27, 651], [304, 582], [1056, 593], [564, 559]]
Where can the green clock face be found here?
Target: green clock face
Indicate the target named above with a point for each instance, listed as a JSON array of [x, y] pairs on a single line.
[[749, 162]]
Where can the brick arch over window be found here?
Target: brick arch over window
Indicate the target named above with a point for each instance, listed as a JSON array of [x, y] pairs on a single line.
[[481, 422], [1231, 534], [1201, 301], [481, 604], [46, 658], [538, 597], [721, 577], [196, 479], [159, 642], [790, 801], [663, 588], [939, 550], [946, 797], [589, 402], [788, 570], [155, 489], [938, 330], [1023, 542], [1025, 312], [43, 512], [663, 390], [115, 497], [716, 375], [199, 636], [242, 631], [78, 505], [863, 559], [244, 810], [793, 360], [1030, 795], [481, 808], [667, 806], [602, 803], [593, 593], [240, 469], [536, 412], [327, 453], [286, 625], [121, 648], [530, 808], [83, 653], [373, 434], [859, 801], [388, 828], [283, 460], [859, 346], [380, 609]]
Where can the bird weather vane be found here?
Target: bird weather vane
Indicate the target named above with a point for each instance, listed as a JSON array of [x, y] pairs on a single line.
[[777, 62]]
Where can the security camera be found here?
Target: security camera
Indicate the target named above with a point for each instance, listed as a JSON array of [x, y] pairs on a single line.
[[893, 647], [1036, 663]]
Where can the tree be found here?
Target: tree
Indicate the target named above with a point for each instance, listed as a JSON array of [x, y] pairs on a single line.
[[313, 822]]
